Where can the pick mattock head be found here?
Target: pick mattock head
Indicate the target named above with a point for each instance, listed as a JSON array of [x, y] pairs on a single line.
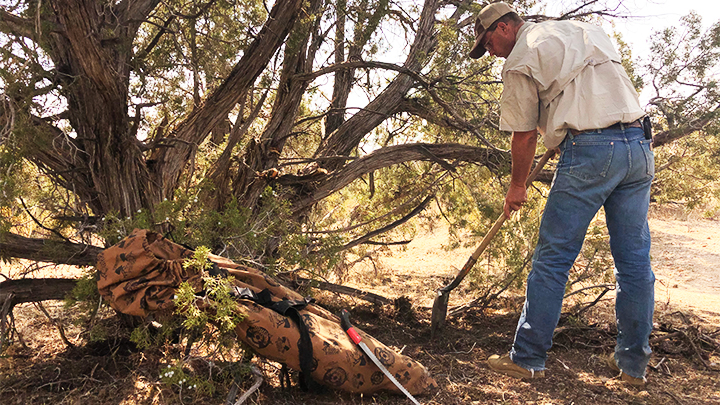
[[439, 312]]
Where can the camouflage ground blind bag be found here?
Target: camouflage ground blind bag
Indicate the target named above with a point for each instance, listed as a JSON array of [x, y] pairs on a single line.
[[140, 275]]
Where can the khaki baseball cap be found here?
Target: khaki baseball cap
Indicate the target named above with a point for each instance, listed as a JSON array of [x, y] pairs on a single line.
[[488, 15]]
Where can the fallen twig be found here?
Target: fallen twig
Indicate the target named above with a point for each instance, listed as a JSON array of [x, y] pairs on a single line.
[[657, 366], [592, 304], [697, 351], [484, 300], [230, 400], [683, 316], [255, 386], [709, 341], [666, 337], [70, 380], [341, 289], [460, 352], [6, 301], [606, 286], [57, 324], [673, 396]]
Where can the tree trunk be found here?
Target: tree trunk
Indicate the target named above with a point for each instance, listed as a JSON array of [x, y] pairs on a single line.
[[92, 53], [190, 133], [346, 138], [343, 79], [261, 156]]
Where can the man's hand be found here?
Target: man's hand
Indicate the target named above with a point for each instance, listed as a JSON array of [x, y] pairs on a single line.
[[523, 152], [514, 199]]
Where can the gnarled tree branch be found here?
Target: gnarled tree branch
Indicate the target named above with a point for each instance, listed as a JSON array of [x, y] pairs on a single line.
[[15, 25], [664, 137], [365, 238], [391, 155]]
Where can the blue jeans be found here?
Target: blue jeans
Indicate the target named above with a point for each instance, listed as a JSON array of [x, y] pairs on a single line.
[[614, 169]]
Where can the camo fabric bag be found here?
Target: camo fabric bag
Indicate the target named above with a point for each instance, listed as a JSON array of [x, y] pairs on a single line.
[[141, 273]]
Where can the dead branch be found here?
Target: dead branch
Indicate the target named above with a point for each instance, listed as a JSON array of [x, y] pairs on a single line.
[[396, 243], [674, 397], [361, 64], [234, 388], [57, 324], [38, 223], [668, 136], [35, 289], [657, 366], [6, 305], [396, 154], [48, 250], [666, 337], [368, 222], [258, 381], [7, 118], [690, 334], [697, 351], [592, 304], [165, 28], [607, 286], [484, 300], [708, 340], [338, 289], [365, 238]]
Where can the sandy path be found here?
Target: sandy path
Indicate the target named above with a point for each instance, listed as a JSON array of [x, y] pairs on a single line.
[[686, 260]]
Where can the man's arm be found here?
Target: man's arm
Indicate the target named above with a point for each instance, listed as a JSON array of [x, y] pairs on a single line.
[[523, 152]]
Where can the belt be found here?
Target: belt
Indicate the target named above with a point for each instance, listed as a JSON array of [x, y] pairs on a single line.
[[619, 125]]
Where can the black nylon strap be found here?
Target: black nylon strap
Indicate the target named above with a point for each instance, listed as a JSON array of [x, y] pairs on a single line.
[[306, 351], [217, 271], [291, 309]]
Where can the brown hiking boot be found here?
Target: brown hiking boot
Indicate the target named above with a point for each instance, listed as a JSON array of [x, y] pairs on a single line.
[[503, 364], [635, 382]]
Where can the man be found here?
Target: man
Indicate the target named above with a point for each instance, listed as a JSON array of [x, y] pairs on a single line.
[[564, 79]]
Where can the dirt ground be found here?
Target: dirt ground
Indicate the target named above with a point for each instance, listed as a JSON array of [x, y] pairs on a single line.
[[683, 369]]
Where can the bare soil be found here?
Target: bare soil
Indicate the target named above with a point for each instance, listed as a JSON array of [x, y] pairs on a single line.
[[683, 369]]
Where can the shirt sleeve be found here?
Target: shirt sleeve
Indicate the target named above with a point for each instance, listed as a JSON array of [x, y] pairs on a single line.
[[519, 105]]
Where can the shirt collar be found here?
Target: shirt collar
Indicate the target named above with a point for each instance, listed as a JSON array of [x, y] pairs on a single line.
[[521, 32]]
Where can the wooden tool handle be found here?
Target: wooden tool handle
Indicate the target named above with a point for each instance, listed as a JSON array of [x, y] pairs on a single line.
[[496, 226]]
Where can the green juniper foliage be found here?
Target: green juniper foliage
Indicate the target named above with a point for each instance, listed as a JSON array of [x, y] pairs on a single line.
[[217, 306]]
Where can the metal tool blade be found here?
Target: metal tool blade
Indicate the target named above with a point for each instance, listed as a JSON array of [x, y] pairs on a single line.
[[385, 371]]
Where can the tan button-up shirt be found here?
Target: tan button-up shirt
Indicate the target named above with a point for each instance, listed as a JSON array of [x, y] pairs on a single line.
[[565, 75]]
